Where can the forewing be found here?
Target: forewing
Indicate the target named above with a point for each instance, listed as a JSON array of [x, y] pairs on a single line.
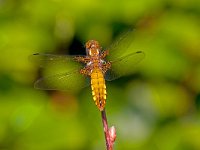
[[124, 65], [71, 81], [121, 44], [47, 60]]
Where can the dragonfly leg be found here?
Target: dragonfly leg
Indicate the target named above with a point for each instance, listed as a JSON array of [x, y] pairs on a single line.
[[85, 71], [104, 54], [82, 59], [106, 66]]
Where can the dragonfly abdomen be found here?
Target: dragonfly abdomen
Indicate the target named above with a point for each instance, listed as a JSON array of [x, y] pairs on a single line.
[[98, 88]]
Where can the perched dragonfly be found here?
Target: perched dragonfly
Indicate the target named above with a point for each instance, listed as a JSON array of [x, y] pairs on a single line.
[[94, 66]]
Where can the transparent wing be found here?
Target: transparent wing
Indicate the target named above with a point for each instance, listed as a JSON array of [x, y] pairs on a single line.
[[121, 45], [71, 81], [46, 60], [59, 72], [124, 65]]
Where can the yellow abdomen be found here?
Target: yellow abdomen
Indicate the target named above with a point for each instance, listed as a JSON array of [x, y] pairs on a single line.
[[98, 88]]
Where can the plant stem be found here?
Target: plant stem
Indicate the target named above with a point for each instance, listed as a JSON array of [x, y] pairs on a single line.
[[110, 133], [105, 127]]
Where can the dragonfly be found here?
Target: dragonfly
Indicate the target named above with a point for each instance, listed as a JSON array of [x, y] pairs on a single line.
[[94, 68]]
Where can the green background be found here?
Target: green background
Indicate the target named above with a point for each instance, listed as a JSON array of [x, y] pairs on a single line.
[[157, 108]]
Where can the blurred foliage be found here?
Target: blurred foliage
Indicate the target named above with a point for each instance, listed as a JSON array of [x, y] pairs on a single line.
[[157, 108]]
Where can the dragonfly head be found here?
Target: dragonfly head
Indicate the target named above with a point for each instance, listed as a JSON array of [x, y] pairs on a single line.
[[93, 48]]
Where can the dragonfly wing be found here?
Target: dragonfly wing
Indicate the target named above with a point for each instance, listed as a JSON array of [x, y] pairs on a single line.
[[72, 81], [124, 65], [46, 60], [122, 42], [61, 72]]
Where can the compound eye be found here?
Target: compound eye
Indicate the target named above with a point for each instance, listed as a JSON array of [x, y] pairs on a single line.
[[90, 52], [97, 51]]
